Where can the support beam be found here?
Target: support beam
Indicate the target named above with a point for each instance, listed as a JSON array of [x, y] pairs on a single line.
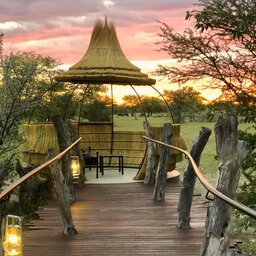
[[63, 144], [163, 165], [62, 194], [189, 180], [150, 156], [230, 152]]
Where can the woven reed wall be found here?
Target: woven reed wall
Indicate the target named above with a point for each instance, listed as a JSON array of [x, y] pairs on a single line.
[[42, 136], [39, 138]]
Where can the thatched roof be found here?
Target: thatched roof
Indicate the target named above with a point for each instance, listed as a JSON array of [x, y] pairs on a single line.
[[105, 62]]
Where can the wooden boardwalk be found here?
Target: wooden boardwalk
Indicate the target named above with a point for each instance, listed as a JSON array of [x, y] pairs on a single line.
[[118, 219]]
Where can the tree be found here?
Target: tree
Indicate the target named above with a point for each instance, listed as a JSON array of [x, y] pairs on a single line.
[[61, 99], [219, 58], [152, 105], [233, 19], [184, 102], [97, 111], [26, 77], [132, 103]]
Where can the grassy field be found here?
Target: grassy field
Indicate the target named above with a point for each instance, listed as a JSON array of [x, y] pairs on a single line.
[[189, 131]]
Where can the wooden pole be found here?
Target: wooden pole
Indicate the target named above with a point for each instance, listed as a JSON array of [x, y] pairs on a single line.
[[163, 165], [230, 152], [150, 157], [62, 194], [189, 180], [63, 144]]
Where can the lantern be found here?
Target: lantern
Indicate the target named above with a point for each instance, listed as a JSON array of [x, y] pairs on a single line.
[[75, 166], [12, 243]]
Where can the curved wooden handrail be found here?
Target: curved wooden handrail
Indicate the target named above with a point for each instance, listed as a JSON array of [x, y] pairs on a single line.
[[36, 170], [241, 207]]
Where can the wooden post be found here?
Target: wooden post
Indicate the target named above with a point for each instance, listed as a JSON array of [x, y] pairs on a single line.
[[189, 180], [231, 153], [63, 144], [150, 157], [82, 177], [62, 194], [163, 165]]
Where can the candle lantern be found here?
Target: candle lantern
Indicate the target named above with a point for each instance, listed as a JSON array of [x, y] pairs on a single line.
[[12, 243], [75, 166]]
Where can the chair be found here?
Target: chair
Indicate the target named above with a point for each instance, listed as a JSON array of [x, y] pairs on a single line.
[[90, 160]]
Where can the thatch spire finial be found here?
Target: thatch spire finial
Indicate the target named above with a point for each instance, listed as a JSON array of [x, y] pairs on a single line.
[[104, 61]]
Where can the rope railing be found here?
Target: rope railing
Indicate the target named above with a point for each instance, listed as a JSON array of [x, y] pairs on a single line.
[[237, 205], [36, 170]]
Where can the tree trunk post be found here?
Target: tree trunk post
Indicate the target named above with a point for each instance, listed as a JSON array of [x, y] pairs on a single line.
[[65, 160], [231, 153], [82, 177], [62, 195], [163, 165], [151, 156], [189, 180]]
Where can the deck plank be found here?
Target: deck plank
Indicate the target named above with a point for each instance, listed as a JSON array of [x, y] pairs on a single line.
[[118, 219]]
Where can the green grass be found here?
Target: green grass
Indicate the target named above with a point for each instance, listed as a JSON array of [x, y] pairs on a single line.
[[189, 131]]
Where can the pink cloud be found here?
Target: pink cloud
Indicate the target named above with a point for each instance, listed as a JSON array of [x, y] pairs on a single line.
[[62, 30]]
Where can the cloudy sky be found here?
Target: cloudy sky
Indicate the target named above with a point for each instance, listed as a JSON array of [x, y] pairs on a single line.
[[62, 28]]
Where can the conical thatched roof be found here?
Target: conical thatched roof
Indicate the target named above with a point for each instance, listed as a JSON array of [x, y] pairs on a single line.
[[105, 62]]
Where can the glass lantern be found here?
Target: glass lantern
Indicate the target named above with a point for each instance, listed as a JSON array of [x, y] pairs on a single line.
[[75, 166], [12, 243]]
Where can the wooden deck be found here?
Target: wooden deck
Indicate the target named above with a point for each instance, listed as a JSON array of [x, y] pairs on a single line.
[[118, 219]]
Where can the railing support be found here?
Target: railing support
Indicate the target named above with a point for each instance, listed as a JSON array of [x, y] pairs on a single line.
[[150, 156], [62, 195], [65, 160], [189, 180], [240, 207], [163, 165], [230, 152]]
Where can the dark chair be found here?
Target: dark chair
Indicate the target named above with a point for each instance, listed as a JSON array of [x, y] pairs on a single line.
[[90, 160]]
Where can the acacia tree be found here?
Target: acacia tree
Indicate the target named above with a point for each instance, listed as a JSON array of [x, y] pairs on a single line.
[[152, 105], [223, 57], [132, 102], [184, 102]]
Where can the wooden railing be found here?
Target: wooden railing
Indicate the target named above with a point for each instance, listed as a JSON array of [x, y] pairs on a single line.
[[36, 170], [240, 207]]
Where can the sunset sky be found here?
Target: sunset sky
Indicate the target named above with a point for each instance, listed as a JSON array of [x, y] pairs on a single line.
[[62, 28]]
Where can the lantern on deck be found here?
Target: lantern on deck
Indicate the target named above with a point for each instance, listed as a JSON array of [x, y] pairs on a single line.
[[75, 166], [12, 243]]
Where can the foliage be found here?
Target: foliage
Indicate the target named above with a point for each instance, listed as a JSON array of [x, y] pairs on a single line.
[[132, 102], [247, 191], [185, 102], [26, 77], [97, 111], [152, 105], [215, 58], [58, 100], [67, 99], [234, 19]]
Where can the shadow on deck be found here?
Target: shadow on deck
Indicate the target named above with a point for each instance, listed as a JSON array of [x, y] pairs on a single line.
[[118, 219]]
